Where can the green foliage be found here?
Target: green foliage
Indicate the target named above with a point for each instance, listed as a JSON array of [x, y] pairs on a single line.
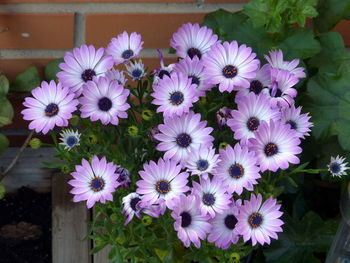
[[6, 111], [26, 81], [4, 143], [4, 85], [52, 68]]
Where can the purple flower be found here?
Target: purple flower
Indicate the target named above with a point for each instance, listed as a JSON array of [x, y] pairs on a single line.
[[181, 136], [131, 207], [222, 116], [95, 182], [238, 168], [213, 196], [156, 209], [124, 48], [194, 69], [124, 177], [190, 224], [104, 100], [297, 121], [259, 221], [224, 232], [203, 161], [252, 110], [231, 66], [116, 75], [136, 70], [337, 166], [276, 61], [193, 40], [81, 66], [159, 73], [281, 93], [162, 180], [51, 106], [275, 145]]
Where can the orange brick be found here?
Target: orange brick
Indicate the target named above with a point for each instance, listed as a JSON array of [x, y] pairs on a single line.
[[343, 28], [37, 31], [156, 29], [126, 1]]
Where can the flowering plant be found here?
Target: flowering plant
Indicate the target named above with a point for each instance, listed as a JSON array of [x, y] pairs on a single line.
[[194, 153]]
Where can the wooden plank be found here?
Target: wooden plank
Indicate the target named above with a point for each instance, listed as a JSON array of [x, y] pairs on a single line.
[[69, 225], [102, 255]]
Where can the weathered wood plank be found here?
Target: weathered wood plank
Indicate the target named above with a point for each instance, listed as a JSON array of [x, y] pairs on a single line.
[[102, 255], [69, 225]]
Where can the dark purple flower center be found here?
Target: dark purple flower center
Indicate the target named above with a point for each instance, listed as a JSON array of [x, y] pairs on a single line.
[[88, 74], [255, 220], [176, 98], [127, 54], [186, 219], [105, 104], [136, 73], [162, 73], [271, 149], [335, 168], [256, 87], [194, 52], [202, 165], [230, 221], [163, 187], [71, 141], [253, 124], [51, 110], [229, 71], [276, 93], [183, 140], [97, 184], [292, 124], [134, 202], [208, 199], [236, 171], [194, 80]]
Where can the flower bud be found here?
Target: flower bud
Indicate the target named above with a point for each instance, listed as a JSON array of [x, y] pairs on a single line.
[[133, 130], [223, 145], [147, 115], [35, 143], [92, 138], [74, 121], [146, 220]]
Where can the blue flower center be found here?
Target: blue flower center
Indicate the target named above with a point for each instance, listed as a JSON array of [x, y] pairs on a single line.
[[136, 73], [105, 104], [271, 149], [194, 80], [133, 202], [292, 124], [194, 52], [255, 220], [253, 124], [97, 184], [88, 74], [208, 199], [162, 73], [51, 110], [230, 221], [186, 219], [163, 187], [229, 71], [183, 140], [256, 87], [236, 171], [176, 98], [127, 54], [71, 141], [202, 165], [335, 168]]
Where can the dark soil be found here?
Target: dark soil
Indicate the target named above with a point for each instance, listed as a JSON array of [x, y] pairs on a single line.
[[25, 227]]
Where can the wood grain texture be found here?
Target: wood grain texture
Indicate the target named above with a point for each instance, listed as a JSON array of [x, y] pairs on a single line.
[[69, 225], [102, 255]]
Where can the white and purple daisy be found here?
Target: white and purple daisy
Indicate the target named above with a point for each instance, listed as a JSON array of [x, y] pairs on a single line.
[[136, 70], [131, 207], [180, 136], [213, 196], [159, 73], [190, 224], [230, 66], [194, 69], [51, 106], [275, 146], [259, 221], [114, 74], [123, 177], [238, 169], [94, 182], [155, 209], [162, 180], [174, 95], [82, 66], [252, 110], [281, 93], [125, 47], [276, 61], [222, 116], [224, 232], [203, 161], [337, 166], [297, 121], [104, 100], [192, 40], [70, 139]]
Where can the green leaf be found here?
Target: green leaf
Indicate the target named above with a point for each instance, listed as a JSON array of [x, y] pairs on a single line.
[[4, 121], [4, 143], [6, 111], [300, 10], [27, 80], [52, 68], [52, 165], [4, 85]]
